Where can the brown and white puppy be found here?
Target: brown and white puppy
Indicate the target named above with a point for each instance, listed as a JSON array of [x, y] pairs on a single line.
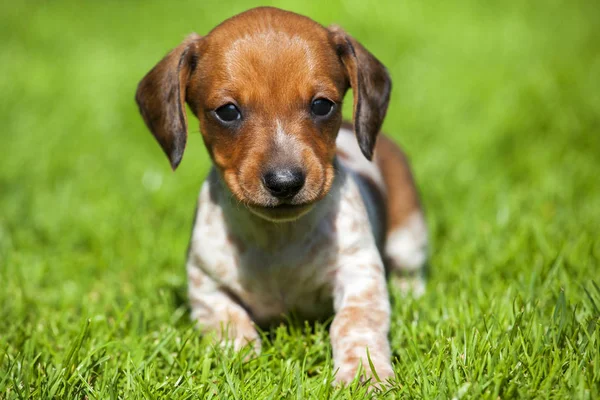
[[293, 217]]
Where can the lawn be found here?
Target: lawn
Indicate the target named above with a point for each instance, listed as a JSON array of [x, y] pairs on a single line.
[[497, 104]]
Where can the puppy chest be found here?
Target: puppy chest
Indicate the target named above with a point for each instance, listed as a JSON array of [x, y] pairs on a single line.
[[297, 281]]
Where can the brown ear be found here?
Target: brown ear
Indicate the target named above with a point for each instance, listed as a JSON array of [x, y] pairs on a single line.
[[371, 86], [161, 98]]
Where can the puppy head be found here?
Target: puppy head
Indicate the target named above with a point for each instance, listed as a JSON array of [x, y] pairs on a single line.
[[267, 87]]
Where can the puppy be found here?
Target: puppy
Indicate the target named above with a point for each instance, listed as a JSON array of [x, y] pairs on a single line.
[[299, 214]]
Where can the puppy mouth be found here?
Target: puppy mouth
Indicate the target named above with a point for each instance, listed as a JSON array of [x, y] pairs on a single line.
[[282, 212]]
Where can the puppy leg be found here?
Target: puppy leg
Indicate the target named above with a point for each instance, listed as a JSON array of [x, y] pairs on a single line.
[[405, 249], [359, 331], [216, 311]]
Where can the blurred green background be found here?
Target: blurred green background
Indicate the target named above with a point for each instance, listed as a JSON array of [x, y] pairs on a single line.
[[497, 103]]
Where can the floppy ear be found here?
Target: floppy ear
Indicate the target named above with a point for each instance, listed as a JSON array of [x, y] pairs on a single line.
[[371, 86], [161, 98]]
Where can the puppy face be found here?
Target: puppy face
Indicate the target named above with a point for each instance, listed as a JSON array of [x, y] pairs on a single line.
[[269, 105], [267, 87]]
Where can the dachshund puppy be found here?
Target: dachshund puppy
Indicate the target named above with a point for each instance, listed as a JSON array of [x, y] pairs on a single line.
[[300, 212]]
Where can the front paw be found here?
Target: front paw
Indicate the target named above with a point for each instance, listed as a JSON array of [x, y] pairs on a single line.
[[351, 369], [253, 341], [238, 337]]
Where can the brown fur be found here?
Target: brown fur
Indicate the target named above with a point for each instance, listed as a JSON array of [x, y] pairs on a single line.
[[290, 61], [402, 197]]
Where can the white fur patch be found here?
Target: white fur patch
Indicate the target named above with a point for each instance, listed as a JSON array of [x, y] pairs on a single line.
[[286, 142], [407, 245]]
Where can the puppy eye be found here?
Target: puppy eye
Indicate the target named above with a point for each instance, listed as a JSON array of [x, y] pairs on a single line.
[[321, 107], [228, 113]]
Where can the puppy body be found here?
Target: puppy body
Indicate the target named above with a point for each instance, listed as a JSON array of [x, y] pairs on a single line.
[[316, 245], [243, 269]]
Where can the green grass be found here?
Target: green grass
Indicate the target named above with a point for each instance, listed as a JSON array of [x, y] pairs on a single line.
[[498, 106]]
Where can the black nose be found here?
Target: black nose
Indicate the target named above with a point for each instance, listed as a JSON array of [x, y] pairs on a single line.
[[284, 183]]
